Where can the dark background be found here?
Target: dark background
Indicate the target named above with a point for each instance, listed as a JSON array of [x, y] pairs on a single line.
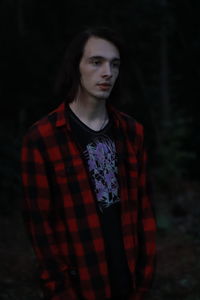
[[163, 43]]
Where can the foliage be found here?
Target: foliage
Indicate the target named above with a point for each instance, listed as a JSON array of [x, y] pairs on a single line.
[[172, 157]]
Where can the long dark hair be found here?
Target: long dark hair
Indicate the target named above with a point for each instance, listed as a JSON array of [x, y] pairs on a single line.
[[68, 77]]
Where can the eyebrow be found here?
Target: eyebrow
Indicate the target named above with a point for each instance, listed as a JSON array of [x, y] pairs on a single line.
[[102, 57]]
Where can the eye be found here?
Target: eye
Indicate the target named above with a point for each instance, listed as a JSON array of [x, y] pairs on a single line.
[[116, 64], [95, 62]]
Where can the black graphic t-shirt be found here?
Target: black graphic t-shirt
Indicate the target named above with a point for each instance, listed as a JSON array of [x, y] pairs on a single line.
[[99, 152], [100, 155]]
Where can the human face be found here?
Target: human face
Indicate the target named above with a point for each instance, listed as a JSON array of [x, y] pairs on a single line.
[[99, 68]]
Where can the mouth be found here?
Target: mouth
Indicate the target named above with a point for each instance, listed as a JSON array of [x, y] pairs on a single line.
[[104, 86]]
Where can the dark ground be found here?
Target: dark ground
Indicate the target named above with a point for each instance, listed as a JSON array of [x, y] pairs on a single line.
[[178, 264]]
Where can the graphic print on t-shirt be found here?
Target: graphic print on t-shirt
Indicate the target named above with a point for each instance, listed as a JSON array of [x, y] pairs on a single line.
[[101, 158]]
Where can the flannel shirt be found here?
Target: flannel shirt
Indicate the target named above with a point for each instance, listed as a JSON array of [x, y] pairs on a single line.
[[60, 209]]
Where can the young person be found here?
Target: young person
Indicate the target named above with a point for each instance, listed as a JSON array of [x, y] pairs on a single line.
[[86, 203]]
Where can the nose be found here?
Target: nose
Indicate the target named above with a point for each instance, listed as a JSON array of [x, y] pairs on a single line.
[[107, 70]]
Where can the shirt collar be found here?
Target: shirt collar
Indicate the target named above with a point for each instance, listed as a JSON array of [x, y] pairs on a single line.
[[61, 112], [62, 119]]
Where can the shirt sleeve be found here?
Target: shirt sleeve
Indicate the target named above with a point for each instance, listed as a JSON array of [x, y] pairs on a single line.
[[145, 268], [46, 232]]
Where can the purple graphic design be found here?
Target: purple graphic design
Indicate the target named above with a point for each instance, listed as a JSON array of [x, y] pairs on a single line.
[[101, 158]]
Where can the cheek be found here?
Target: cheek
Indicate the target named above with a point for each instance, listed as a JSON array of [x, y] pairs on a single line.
[[84, 74], [87, 81], [84, 78], [87, 77], [115, 74]]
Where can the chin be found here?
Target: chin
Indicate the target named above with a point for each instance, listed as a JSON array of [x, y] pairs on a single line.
[[103, 96]]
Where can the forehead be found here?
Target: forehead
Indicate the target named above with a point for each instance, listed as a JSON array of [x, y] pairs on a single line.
[[99, 47]]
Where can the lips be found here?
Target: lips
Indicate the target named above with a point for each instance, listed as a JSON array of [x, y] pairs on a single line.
[[104, 83], [104, 86]]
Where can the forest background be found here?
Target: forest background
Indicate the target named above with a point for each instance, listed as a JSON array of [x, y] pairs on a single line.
[[163, 43]]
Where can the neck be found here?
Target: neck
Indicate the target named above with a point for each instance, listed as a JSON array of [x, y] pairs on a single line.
[[92, 113]]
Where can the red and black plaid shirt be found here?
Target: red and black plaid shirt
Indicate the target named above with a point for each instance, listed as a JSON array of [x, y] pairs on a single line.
[[60, 209]]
